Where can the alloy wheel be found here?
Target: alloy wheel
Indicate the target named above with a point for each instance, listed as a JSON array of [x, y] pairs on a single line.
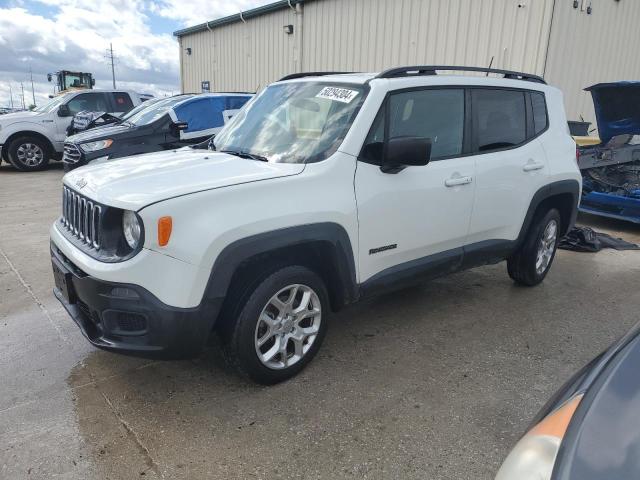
[[546, 247], [288, 326], [30, 154]]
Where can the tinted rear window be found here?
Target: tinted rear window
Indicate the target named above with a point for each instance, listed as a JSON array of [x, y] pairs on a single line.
[[499, 118]]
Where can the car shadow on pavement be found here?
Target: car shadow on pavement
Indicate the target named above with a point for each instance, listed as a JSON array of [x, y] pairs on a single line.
[[8, 168]]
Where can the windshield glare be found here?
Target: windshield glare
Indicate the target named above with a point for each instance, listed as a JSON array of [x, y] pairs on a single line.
[[297, 122], [52, 104], [153, 112]]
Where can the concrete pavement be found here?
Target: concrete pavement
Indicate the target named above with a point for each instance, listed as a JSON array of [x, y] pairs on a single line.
[[436, 381]]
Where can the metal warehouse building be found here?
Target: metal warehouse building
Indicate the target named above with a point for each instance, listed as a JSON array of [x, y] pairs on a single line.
[[572, 43]]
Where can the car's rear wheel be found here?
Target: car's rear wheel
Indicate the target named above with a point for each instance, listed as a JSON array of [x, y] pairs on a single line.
[[280, 326], [531, 263], [28, 154]]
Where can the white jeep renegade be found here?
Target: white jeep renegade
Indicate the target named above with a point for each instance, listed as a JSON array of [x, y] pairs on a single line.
[[323, 190]]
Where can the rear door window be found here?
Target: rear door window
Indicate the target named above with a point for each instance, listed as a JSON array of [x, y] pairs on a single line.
[[122, 102], [499, 119]]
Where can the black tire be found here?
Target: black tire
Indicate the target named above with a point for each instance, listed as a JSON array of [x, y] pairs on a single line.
[[29, 164], [522, 264], [239, 339]]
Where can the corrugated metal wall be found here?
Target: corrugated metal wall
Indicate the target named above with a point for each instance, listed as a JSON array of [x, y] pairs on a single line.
[[571, 48], [370, 35], [589, 49], [240, 56]]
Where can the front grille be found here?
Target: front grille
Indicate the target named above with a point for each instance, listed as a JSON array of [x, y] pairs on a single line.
[[81, 218], [71, 153]]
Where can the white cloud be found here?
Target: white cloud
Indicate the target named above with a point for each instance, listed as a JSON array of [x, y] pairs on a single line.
[[76, 38], [200, 11], [52, 35]]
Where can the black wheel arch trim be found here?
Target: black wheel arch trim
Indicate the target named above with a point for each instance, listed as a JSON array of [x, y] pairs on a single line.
[[245, 249], [571, 187], [28, 133]]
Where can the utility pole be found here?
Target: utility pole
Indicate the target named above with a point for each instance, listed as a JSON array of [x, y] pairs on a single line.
[[33, 92], [22, 89], [111, 57], [11, 96]]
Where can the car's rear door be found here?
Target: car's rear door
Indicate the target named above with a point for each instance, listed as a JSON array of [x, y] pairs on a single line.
[[511, 164], [415, 220]]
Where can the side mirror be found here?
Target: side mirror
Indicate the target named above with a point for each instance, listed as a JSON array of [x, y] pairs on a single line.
[[63, 111], [402, 152], [48, 77]]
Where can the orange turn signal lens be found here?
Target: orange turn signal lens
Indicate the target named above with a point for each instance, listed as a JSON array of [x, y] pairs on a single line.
[[165, 225], [556, 423]]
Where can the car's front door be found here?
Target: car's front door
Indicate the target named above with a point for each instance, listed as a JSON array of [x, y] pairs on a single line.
[[417, 220], [91, 102]]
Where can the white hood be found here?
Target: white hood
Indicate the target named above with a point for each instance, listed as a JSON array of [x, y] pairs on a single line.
[[26, 116], [135, 182]]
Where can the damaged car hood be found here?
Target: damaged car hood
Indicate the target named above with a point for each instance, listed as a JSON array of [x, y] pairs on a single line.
[[617, 108], [134, 182]]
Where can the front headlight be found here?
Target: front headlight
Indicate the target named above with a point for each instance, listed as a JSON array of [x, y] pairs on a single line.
[[535, 454], [95, 146], [131, 228]]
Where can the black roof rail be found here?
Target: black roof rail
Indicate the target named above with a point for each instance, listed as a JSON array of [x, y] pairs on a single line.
[[433, 70], [293, 76]]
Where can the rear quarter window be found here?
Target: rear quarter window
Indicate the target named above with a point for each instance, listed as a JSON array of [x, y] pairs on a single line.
[[539, 109]]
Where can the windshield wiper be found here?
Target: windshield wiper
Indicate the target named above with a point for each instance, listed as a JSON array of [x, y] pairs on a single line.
[[248, 155]]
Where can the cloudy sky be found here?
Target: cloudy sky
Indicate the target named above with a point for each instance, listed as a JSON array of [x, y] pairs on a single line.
[[52, 35]]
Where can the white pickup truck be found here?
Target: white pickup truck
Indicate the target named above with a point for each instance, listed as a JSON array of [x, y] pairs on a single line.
[[28, 140]]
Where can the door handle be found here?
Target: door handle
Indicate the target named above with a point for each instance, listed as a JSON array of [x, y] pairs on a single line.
[[530, 166], [456, 181]]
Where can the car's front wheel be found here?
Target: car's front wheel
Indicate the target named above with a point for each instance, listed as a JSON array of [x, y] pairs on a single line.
[[280, 326], [531, 263], [28, 154]]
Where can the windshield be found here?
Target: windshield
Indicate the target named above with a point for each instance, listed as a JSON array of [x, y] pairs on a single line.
[[52, 104], [140, 107], [297, 122], [153, 112]]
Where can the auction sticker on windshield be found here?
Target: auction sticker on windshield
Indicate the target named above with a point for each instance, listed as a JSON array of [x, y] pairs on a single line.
[[343, 95]]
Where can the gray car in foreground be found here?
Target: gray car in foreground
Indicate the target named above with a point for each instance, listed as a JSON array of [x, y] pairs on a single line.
[[590, 429]]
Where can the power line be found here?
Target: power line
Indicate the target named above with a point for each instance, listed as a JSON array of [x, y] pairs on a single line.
[[111, 57], [33, 91]]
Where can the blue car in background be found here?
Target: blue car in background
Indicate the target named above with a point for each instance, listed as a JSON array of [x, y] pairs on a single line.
[[611, 169], [169, 123]]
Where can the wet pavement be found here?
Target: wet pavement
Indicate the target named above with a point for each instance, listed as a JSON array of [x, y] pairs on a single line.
[[436, 381]]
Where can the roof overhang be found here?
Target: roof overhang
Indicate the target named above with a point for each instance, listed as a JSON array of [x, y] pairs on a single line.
[[239, 17]]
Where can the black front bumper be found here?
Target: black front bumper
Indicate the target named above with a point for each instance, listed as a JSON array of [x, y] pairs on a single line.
[[129, 319]]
